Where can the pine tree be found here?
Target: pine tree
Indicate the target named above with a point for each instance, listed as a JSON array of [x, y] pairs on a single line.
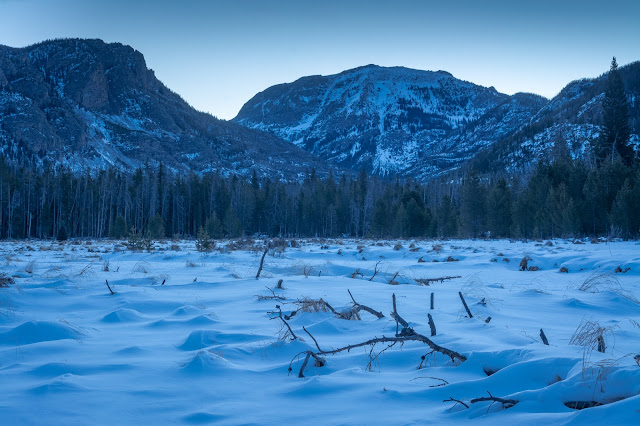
[[614, 139], [119, 228], [447, 218], [155, 228], [203, 241], [231, 223], [472, 205]]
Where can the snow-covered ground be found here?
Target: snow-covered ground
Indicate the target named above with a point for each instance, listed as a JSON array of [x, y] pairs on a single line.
[[203, 347]]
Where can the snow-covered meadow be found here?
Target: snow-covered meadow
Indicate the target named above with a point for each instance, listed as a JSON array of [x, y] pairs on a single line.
[[192, 338]]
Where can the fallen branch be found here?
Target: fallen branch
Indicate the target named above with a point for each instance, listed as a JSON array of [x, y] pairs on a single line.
[[457, 401], [444, 382], [427, 281], [506, 403], [273, 296], [358, 307]]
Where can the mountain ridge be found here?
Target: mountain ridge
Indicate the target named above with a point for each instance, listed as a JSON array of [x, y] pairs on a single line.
[[437, 148], [84, 103]]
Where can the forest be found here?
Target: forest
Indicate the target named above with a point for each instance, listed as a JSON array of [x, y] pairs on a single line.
[[564, 198]]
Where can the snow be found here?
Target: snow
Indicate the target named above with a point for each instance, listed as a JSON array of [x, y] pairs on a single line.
[[202, 348]]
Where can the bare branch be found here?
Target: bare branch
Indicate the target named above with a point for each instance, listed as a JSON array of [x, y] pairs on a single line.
[[375, 271], [279, 312]]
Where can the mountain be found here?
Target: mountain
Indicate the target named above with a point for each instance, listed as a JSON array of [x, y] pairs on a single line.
[[567, 125], [89, 104], [423, 124]]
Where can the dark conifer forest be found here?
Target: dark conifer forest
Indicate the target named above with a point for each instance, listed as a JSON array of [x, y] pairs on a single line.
[[565, 198]]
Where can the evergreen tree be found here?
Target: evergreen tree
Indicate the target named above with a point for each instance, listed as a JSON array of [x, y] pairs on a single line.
[[62, 234], [214, 227], [499, 210], [119, 228], [616, 132], [155, 228], [622, 210], [447, 218], [203, 241], [231, 223], [472, 205]]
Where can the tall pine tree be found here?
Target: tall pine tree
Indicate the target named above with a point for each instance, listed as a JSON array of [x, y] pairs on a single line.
[[614, 139]]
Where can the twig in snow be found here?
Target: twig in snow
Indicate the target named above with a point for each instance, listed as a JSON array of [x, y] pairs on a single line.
[[457, 401], [109, 287]]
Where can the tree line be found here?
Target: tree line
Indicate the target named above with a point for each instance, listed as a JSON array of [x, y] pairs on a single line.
[[565, 198]]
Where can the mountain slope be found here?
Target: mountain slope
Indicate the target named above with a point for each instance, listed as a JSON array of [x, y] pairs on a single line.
[[568, 124], [85, 103], [423, 124], [390, 120]]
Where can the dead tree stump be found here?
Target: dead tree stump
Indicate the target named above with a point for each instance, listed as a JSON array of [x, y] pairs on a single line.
[[432, 325], [544, 337]]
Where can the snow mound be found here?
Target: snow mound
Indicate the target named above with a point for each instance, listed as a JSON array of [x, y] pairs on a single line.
[[199, 339], [205, 362], [123, 315], [38, 331]]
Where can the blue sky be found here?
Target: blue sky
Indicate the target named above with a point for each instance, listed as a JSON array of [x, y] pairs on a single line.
[[218, 54]]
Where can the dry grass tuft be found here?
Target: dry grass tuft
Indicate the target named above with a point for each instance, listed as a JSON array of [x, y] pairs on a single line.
[[6, 280]]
